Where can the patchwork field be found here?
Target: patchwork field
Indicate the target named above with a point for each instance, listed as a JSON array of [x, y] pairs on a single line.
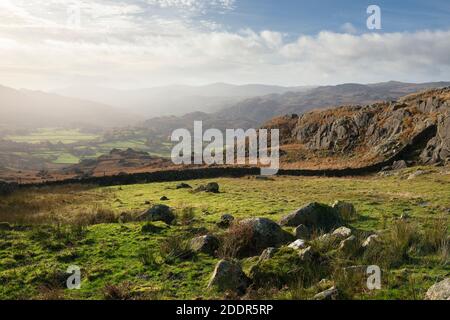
[[48, 229]]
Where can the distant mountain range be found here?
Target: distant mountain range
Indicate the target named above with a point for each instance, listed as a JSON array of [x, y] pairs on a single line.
[[35, 109], [253, 112], [176, 99], [167, 108]]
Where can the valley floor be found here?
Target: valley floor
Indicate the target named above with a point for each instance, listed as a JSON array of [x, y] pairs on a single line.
[[46, 230]]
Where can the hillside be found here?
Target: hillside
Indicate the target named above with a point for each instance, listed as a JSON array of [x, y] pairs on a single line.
[[35, 109], [415, 128], [253, 112], [263, 108]]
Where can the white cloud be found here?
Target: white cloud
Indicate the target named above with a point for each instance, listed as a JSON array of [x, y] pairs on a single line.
[[127, 44], [349, 28]]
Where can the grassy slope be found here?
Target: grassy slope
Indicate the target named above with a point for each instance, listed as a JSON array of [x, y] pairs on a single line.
[[112, 254]]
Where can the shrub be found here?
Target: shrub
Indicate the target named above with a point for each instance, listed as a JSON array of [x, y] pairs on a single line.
[[434, 238], [237, 237], [149, 258], [122, 291], [394, 246]]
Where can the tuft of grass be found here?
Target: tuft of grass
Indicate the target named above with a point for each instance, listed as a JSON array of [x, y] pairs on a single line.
[[186, 216], [174, 248]]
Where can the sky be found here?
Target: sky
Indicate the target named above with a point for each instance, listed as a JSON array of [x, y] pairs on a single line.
[[50, 44]]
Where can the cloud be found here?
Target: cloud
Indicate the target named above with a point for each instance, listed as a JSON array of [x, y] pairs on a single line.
[[349, 28], [126, 44], [194, 5]]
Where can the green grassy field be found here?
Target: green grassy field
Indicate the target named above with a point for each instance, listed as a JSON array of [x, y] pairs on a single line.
[[77, 225], [53, 135]]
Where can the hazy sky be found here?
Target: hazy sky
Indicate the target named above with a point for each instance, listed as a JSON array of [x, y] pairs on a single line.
[[144, 43]]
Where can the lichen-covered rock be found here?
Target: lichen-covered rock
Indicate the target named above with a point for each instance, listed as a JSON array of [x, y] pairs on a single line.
[[228, 276], [349, 246], [342, 232], [438, 148], [212, 187], [159, 212], [439, 291], [329, 294], [298, 244], [315, 216], [371, 241], [207, 244], [302, 232], [262, 233]]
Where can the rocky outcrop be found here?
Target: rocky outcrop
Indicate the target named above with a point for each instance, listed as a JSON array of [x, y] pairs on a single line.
[[416, 127], [438, 148]]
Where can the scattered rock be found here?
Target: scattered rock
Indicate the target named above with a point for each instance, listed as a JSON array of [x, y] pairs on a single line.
[[225, 221], [329, 294], [229, 276], [370, 241], [163, 198], [5, 226], [439, 291], [302, 232], [349, 246], [212, 187], [298, 244], [264, 233], [416, 174], [159, 212], [314, 216], [207, 244], [267, 254], [342, 232], [183, 186], [346, 210], [398, 165]]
